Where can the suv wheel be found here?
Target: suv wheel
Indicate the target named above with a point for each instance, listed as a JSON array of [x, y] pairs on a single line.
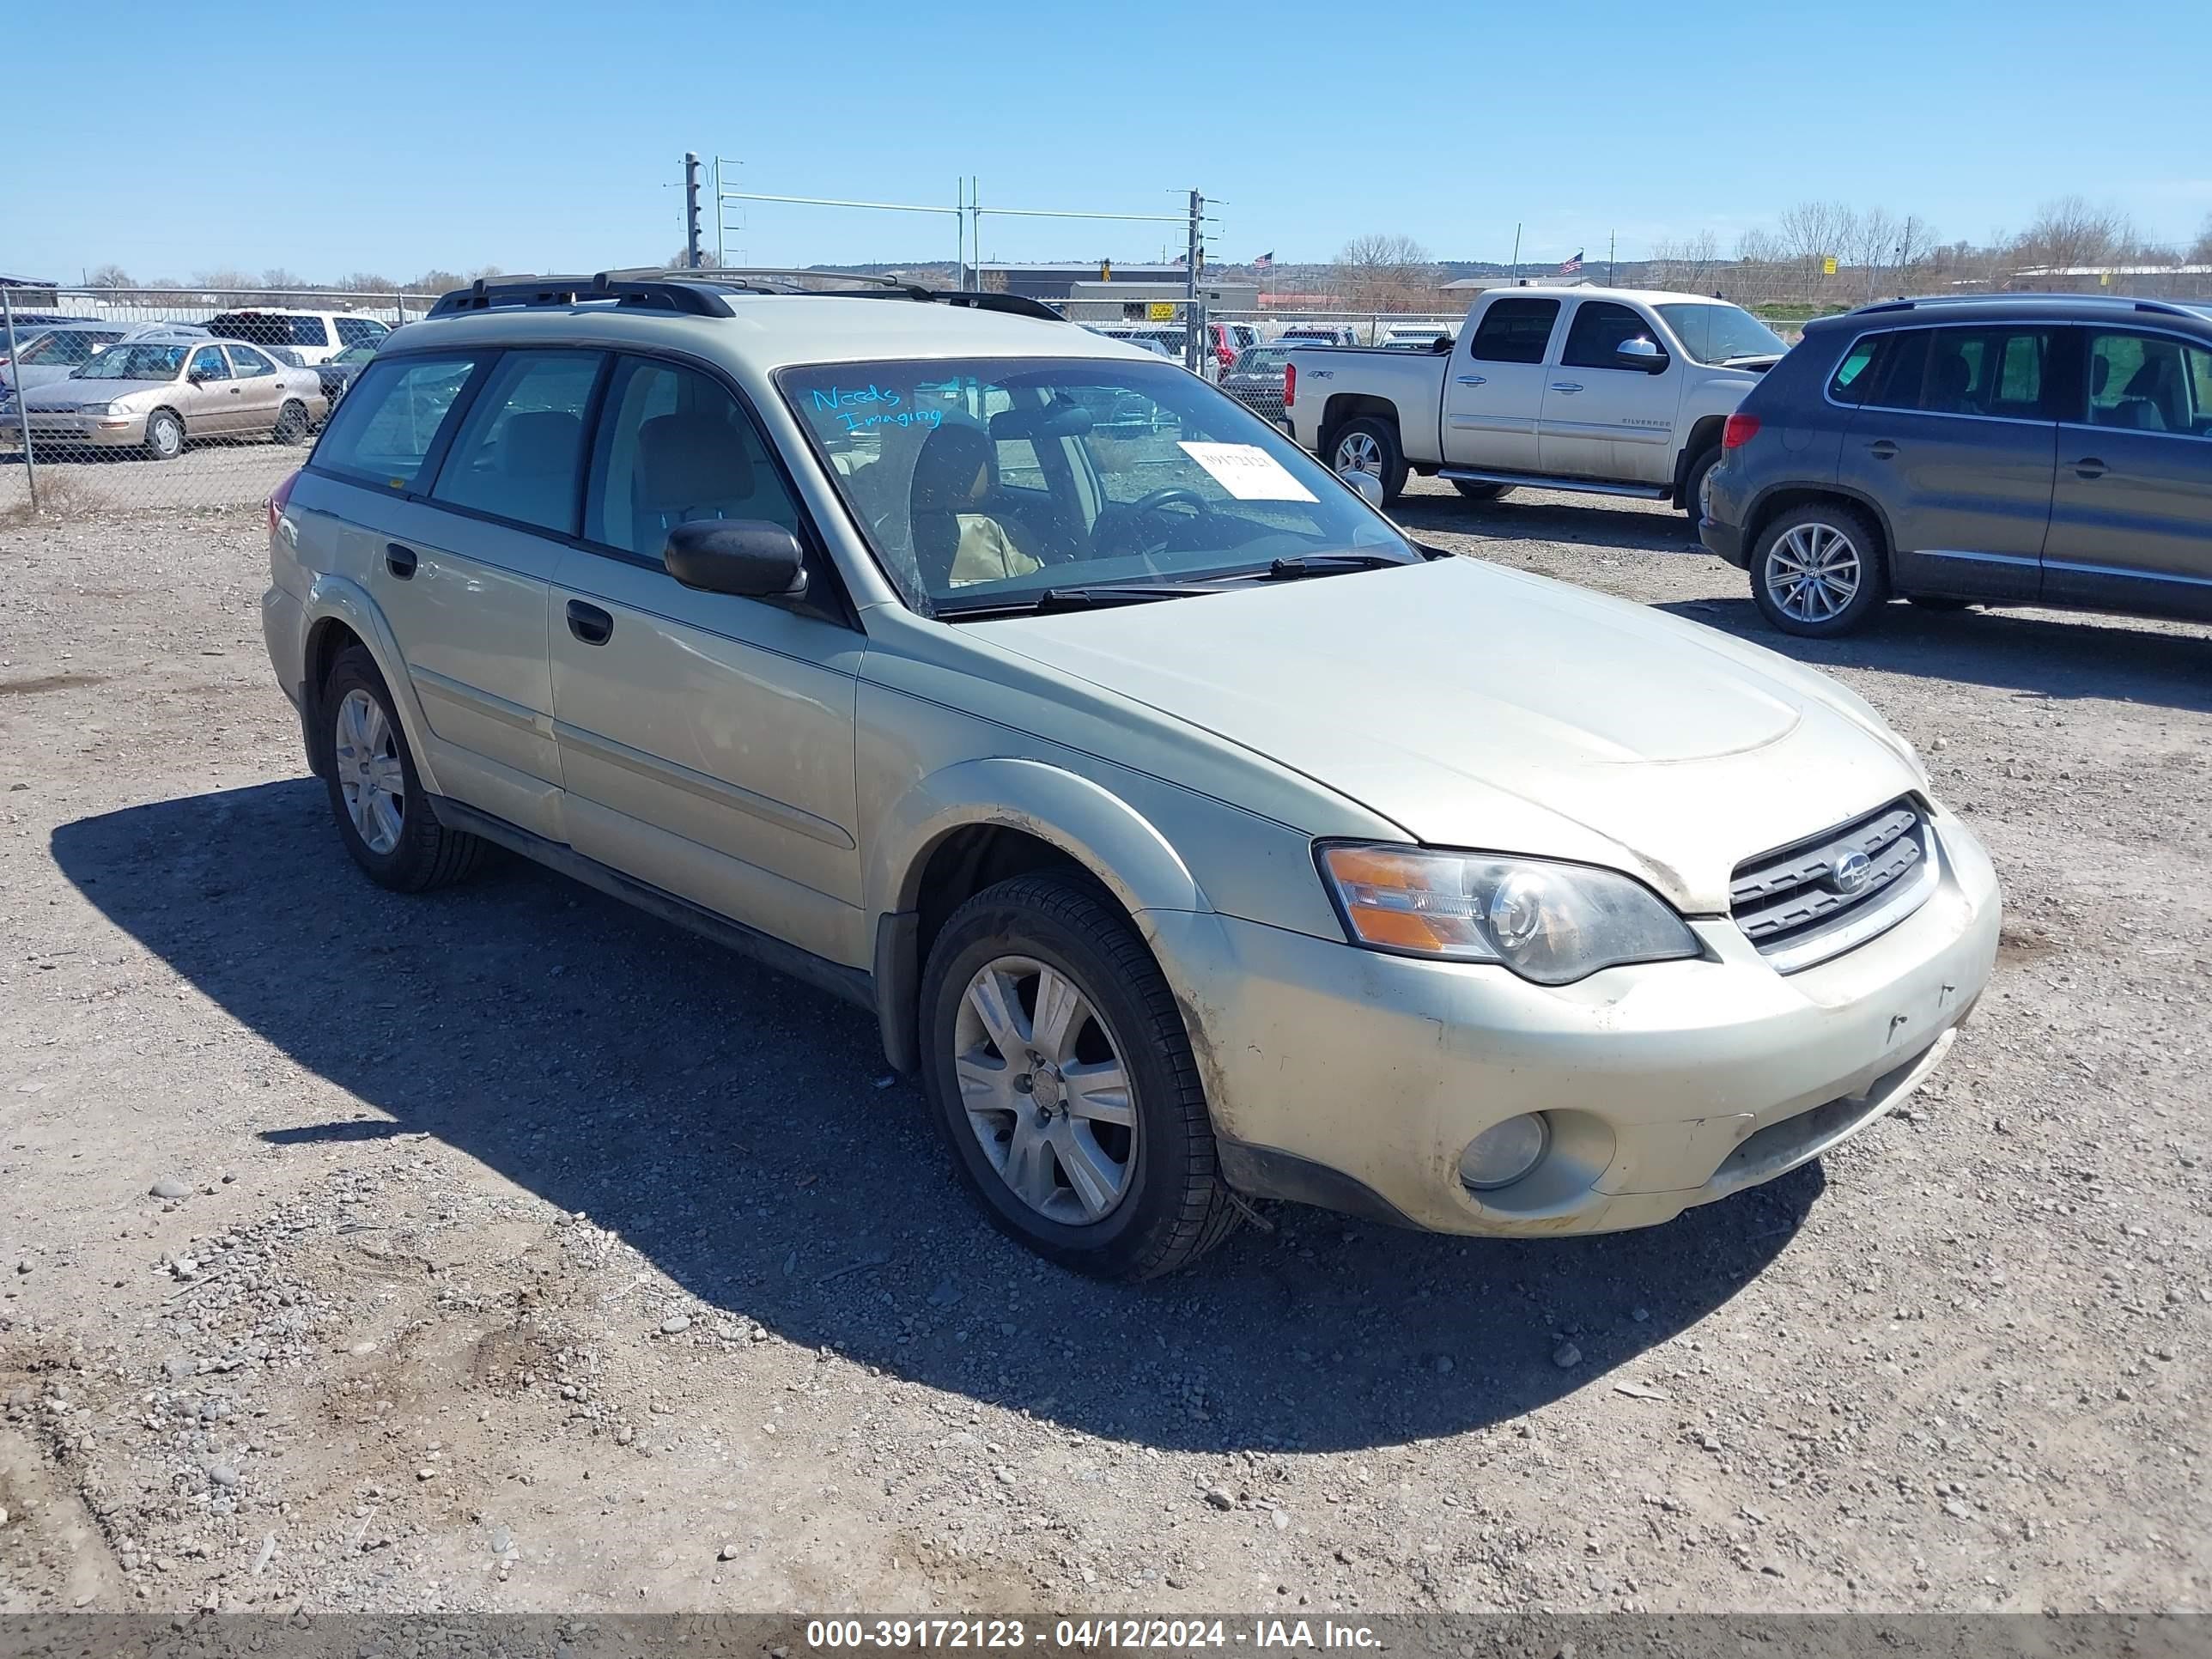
[[383, 819], [1817, 571], [1063, 1081], [1370, 444]]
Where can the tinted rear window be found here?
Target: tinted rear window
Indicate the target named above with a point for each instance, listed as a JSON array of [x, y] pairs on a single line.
[[1515, 331], [263, 328]]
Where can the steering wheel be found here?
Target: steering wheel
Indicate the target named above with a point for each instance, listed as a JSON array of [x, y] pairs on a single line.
[[1170, 496], [1120, 524]]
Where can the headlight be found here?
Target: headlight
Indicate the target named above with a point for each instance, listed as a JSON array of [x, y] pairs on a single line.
[[1551, 923], [117, 409]]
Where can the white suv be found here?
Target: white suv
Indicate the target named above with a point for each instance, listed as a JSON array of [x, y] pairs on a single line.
[[313, 337]]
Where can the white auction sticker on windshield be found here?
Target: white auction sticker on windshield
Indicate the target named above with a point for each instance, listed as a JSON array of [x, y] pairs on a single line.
[[1249, 472]]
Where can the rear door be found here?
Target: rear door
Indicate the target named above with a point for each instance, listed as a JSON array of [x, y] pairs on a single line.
[[1600, 420], [1953, 437], [706, 740], [2131, 508], [258, 389], [1494, 385]]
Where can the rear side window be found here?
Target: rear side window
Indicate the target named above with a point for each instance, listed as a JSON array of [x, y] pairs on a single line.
[[518, 453], [303, 331], [1853, 376], [2003, 371], [386, 425], [1514, 331], [360, 331], [248, 363], [1601, 328]]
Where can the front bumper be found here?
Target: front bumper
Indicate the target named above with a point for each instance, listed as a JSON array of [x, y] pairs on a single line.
[[66, 432], [1353, 1079]]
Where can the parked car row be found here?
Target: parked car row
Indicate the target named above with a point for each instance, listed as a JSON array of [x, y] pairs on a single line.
[[1004, 680]]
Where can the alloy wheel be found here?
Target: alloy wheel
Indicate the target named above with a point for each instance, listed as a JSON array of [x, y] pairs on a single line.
[[1357, 452], [366, 751], [1045, 1091], [1814, 572]]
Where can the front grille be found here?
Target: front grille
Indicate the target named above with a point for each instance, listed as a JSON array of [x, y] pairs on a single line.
[[1820, 897]]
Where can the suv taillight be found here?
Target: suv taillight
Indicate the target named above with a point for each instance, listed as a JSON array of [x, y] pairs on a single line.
[[1739, 430], [1290, 383], [279, 496]]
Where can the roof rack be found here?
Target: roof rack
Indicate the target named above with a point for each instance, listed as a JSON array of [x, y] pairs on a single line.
[[2157, 307], [690, 299], [701, 293]]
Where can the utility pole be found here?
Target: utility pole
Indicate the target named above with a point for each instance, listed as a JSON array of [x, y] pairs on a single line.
[[1516, 271], [1196, 252], [1609, 251], [692, 210]]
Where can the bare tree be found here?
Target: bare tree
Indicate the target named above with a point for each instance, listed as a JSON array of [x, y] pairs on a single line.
[[109, 276], [1386, 273], [1915, 241], [2200, 253], [434, 280], [277, 276], [2072, 234], [1757, 246], [1871, 247], [368, 282]]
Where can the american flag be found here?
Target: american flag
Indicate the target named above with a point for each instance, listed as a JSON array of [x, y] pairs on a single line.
[[1569, 267], [1265, 262]]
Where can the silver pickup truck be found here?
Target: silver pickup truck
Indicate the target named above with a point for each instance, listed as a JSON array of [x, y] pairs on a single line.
[[1610, 390]]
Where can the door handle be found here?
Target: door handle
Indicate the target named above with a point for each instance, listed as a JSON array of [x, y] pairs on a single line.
[[1474, 379], [1882, 450], [399, 561], [589, 623], [236, 390], [1569, 386], [2088, 467]]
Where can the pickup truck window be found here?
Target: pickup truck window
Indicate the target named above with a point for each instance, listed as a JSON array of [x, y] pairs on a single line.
[[1514, 331], [1600, 329], [983, 483], [1717, 334]]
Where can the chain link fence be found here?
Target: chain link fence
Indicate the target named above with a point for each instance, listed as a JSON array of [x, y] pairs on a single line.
[[123, 401]]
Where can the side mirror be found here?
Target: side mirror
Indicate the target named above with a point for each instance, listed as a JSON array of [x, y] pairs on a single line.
[[1442, 345], [1368, 486], [1640, 354], [746, 557]]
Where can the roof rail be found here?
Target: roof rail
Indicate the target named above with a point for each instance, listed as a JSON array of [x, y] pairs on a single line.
[[2157, 307], [690, 299]]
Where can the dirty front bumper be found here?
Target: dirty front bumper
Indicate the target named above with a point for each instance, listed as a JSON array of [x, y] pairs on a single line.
[[1347, 1078]]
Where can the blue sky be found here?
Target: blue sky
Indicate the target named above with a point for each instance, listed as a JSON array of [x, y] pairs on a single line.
[[400, 136]]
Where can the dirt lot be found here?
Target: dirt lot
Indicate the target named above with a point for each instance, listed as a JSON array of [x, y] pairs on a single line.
[[528, 1255]]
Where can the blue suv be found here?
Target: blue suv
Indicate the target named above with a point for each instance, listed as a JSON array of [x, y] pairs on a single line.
[[2003, 449]]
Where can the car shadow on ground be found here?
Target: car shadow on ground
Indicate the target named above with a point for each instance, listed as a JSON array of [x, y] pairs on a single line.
[[2045, 655], [740, 1130], [1581, 522]]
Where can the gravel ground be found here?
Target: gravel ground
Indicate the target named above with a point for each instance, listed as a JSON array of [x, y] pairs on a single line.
[[505, 1249], [214, 475]]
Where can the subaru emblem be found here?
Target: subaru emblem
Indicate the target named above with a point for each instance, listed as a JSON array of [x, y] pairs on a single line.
[[1849, 872]]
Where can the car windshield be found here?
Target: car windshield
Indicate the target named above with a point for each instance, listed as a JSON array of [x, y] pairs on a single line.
[[135, 363], [1714, 333], [985, 484]]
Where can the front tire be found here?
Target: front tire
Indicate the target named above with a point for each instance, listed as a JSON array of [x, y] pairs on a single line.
[[1818, 571], [164, 435], [383, 815], [1062, 1079], [1370, 444]]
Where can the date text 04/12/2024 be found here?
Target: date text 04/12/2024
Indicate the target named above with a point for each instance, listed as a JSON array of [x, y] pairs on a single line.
[[1166, 1635]]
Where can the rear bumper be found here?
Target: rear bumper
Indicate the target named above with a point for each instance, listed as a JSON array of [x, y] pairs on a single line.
[[1725, 540], [1355, 1080]]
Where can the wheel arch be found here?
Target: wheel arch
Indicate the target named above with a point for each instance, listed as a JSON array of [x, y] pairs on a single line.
[[1704, 435], [1778, 499], [340, 612], [981, 822], [1340, 409]]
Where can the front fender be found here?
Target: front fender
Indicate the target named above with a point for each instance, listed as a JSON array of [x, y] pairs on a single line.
[[341, 599], [1092, 825]]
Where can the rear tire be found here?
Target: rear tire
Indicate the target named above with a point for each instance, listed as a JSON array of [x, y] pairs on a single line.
[[164, 435], [1817, 571], [1370, 444], [1476, 491], [383, 815], [292, 424], [1087, 1138], [1693, 483]]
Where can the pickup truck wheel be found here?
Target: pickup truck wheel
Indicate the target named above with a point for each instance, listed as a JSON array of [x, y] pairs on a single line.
[[1063, 1081], [1370, 444], [382, 816], [1817, 571], [1475, 491], [1693, 483]]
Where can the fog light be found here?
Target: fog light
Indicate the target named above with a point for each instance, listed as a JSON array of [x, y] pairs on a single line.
[[1502, 1154]]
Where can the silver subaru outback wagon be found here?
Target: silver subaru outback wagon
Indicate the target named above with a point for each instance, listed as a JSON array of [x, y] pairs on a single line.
[[1192, 835]]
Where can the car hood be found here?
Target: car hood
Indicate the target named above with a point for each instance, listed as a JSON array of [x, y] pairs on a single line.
[[1486, 708], [77, 393]]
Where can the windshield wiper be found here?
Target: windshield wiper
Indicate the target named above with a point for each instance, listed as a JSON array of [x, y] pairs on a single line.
[[1098, 597], [1330, 564]]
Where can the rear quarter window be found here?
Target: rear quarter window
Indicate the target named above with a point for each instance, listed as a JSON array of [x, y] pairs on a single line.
[[385, 426]]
